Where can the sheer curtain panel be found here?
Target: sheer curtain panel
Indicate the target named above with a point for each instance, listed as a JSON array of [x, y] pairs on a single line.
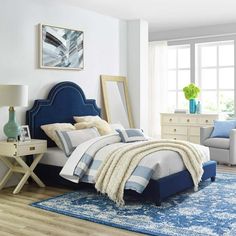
[[157, 85]]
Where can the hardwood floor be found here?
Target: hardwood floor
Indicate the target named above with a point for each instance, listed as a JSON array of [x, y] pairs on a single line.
[[19, 219], [225, 168]]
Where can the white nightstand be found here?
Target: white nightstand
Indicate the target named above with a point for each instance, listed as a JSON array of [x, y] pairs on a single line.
[[16, 151]]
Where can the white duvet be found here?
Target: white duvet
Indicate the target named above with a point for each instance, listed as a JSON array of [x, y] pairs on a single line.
[[164, 162]]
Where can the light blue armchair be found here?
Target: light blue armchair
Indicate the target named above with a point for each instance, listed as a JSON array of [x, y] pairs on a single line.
[[222, 150]]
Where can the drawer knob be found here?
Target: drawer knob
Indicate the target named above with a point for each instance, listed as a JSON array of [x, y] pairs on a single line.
[[207, 121], [188, 120], [170, 119], [174, 130], [174, 138], [32, 148]]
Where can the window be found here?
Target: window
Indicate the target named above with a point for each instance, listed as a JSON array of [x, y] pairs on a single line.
[[213, 72], [178, 75], [215, 76]]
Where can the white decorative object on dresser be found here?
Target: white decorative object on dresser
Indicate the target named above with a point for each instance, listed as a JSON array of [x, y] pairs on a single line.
[[16, 151], [185, 126]]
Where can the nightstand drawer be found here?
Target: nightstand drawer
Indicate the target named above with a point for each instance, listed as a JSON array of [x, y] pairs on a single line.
[[174, 130], [30, 149]]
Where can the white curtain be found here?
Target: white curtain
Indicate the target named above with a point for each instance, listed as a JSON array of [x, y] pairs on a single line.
[[157, 86]]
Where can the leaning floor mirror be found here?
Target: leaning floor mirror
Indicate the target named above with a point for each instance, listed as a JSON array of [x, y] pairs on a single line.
[[116, 100]]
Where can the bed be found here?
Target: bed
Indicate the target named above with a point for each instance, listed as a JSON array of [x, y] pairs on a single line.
[[71, 96]]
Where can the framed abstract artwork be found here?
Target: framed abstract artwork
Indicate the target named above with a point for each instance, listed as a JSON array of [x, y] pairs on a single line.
[[61, 48]]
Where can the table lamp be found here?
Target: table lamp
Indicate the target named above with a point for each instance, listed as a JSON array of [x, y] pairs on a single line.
[[12, 96]]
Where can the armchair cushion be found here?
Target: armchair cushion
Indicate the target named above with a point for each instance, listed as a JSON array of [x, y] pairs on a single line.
[[222, 143], [223, 128]]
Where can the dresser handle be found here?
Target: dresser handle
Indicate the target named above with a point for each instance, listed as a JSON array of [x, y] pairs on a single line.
[[32, 148], [174, 130], [188, 120], [170, 119], [207, 121], [174, 138]]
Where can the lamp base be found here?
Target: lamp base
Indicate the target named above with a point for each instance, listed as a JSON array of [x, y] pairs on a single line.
[[11, 128], [12, 140]]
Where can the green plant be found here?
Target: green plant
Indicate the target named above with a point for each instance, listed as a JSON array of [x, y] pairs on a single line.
[[191, 91]]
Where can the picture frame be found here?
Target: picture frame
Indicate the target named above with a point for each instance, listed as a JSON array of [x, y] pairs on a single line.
[[61, 48], [25, 133]]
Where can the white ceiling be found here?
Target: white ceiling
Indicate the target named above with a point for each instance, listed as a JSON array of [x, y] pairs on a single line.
[[164, 15]]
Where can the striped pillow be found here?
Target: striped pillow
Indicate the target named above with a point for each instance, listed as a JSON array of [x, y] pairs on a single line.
[[131, 135], [71, 139]]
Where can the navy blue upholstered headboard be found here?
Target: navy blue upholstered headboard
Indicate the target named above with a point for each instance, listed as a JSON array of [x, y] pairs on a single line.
[[65, 100]]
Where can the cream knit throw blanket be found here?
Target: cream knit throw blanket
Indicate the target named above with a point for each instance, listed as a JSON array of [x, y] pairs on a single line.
[[119, 164]]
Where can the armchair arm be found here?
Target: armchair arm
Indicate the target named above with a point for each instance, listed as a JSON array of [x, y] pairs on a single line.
[[232, 147], [205, 133]]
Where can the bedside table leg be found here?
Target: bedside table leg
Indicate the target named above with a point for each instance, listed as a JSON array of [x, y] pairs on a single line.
[[6, 178], [21, 183], [37, 180]]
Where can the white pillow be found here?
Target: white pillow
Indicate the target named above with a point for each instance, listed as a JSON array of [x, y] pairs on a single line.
[[79, 119], [71, 139], [102, 126], [50, 131], [131, 135]]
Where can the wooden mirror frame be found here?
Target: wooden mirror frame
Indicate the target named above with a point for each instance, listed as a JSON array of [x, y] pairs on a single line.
[[104, 79]]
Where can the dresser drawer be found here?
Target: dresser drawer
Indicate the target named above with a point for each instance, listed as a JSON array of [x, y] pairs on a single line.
[[194, 139], [207, 120], [30, 149], [194, 131], [170, 119], [188, 120], [174, 130], [175, 137]]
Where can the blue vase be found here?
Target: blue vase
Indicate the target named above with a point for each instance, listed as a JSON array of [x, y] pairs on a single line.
[[192, 106]]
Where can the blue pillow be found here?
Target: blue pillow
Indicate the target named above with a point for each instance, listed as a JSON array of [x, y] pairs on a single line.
[[131, 135], [222, 129]]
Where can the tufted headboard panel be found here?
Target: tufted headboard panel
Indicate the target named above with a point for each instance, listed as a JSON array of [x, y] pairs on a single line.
[[65, 100]]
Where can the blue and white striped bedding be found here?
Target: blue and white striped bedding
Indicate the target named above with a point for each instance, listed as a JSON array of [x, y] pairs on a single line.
[[84, 162]]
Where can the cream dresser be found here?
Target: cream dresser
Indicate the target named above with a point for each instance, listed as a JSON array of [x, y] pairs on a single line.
[[185, 126]]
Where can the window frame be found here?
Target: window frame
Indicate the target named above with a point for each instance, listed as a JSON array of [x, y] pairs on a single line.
[[194, 68], [217, 67], [177, 69]]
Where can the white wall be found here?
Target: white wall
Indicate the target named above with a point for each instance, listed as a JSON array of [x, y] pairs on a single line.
[[105, 48], [188, 33], [138, 71]]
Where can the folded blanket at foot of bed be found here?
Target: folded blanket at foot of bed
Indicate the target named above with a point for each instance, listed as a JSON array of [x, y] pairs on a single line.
[[119, 167]]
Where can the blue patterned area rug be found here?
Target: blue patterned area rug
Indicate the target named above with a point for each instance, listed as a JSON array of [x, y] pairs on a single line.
[[210, 211]]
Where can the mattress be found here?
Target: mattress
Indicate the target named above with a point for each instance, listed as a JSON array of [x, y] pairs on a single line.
[[54, 157], [167, 162]]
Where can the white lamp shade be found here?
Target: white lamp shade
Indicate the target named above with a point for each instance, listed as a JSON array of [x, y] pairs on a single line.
[[14, 95]]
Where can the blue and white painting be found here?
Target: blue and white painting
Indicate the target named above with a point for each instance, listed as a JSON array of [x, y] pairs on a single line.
[[62, 48]]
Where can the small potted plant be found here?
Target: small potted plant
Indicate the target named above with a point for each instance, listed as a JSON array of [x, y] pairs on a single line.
[[191, 92]]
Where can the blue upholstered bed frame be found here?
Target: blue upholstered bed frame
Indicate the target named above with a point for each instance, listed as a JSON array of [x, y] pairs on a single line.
[[67, 99]]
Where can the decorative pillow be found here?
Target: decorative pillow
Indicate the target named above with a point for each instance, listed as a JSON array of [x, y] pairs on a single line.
[[102, 126], [71, 139], [79, 119], [131, 135], [222, 129], [50, 131]]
